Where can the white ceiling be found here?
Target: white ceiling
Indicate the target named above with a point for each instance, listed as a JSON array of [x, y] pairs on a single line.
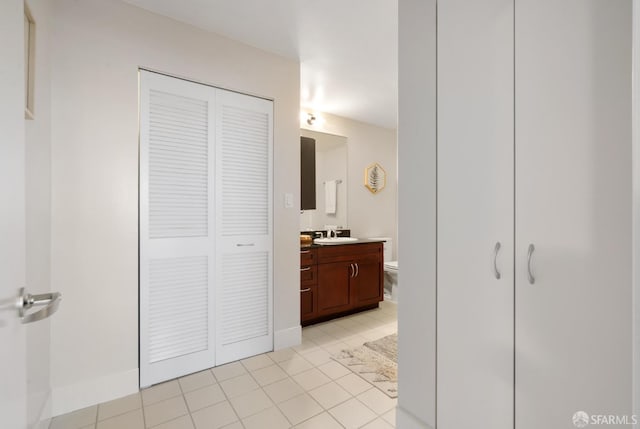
[[347, 48]]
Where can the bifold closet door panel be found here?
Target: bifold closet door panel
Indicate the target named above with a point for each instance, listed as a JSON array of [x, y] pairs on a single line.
[[475, 212], [573, 187], [176, 228], [244, 243]]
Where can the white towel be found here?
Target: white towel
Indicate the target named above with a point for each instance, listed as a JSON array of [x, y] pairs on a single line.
[[330, 192]]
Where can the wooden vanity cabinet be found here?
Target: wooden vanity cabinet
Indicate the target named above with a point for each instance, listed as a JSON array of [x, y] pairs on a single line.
[[308, 284], [346, 278]]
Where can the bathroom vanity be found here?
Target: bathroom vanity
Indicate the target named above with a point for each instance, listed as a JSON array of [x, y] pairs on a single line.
[[340, 279]]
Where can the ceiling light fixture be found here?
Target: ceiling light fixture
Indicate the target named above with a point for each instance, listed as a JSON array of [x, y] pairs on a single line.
[[310, 118]]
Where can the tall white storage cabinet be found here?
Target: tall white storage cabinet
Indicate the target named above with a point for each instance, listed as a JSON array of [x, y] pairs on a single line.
[[534, 285], [205, 227]]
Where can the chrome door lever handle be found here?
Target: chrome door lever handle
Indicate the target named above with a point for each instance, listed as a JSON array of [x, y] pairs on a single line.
[[496, 249], [25, 301], [532, 248]]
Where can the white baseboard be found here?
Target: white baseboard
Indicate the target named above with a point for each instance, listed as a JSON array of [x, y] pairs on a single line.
[[65, 399], [287, 338], [406, 420]]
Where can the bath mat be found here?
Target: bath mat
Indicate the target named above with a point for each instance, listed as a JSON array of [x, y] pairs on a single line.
[[375, 361]]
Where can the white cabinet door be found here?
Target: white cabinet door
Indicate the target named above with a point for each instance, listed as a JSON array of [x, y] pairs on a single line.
[[573, 203], [176, 227], [475, 212], [244, 244]]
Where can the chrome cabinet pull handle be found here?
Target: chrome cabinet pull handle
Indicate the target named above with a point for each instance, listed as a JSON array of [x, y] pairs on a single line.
[[353, 270], [245, 244], [305, 290], [495, 260], [532, 248], [305, 269], [357, 270], [305, 252]]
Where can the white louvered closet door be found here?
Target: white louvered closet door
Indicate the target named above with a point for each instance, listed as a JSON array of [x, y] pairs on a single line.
[[244, 315], [176, 227]]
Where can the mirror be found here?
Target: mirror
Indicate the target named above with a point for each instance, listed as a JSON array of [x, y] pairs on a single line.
[[331, 167]]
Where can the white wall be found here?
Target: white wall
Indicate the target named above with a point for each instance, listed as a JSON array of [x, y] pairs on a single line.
[[417, 214], [369, 215], [38, 216], [98, 46]]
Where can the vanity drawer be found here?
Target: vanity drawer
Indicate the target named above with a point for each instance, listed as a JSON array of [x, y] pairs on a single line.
[[308, 256], [308, 275]]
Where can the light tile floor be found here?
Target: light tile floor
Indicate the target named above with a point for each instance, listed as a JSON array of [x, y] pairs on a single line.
[[299, 387]]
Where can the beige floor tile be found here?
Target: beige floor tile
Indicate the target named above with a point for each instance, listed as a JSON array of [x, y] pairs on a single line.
[[257, 362], [204, 397], [270, 418], [377, 401], [390, 417], [295, 365], [89, 427], [354, 340], [214, 417], [236, 425], [283, 390], [130, 420], [164, 411], [353, 384], [161, 392], [324, 340], [312, 332], [196, 381], [251, 403], [282, 355], [334, 370], [76, 419], [321, 421], [377, 424], [352, 414], [230, 370], [306, 346], [318, 357], [183, 422], [311, 379], [330, 395], [335, 348], [300, 408], [239, 385], [269, 375], [119, 406]]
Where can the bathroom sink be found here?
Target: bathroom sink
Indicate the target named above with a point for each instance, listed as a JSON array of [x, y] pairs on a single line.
[[335, 240]]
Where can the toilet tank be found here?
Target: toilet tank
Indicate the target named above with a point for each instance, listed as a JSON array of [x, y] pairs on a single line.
[[387, 247]]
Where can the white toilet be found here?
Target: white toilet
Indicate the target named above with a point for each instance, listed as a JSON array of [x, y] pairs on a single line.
[[390, 271]]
